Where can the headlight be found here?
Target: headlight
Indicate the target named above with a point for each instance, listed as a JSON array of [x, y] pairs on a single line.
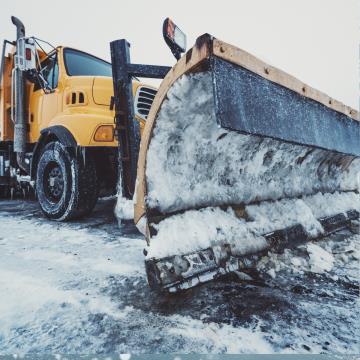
[[104, 133]]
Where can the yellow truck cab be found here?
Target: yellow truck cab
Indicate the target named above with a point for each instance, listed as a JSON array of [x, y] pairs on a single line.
[[67, 149], [80, 98]]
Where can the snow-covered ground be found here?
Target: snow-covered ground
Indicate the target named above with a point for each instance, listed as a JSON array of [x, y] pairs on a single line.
[[80, 287]]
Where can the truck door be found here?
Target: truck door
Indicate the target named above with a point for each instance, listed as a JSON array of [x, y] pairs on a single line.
[[50, 99], [44, 103]]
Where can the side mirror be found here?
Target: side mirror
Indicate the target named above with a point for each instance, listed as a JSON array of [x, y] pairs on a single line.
[[174, 38]]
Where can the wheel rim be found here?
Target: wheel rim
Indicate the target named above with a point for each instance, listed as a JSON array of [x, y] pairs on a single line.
[[53, 182]]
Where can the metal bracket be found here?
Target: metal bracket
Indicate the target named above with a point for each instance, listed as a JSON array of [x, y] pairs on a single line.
[[128, 130]]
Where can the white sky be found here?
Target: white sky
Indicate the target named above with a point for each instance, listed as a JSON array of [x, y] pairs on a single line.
[[314, 40]]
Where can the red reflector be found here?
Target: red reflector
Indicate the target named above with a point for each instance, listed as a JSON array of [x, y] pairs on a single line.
[[170, 29], [28, 54]]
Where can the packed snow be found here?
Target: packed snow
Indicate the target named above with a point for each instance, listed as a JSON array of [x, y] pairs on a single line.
[[209, 227], [191, 162], [80, 287], [197, 230]]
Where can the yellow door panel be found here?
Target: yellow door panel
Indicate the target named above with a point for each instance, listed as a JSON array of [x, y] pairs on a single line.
[[49, 108], [35, 113]]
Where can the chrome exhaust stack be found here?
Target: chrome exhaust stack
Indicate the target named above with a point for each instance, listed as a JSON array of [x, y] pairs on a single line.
[[19, 102]]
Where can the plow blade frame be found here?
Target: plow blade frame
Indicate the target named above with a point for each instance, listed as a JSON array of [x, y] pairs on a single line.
[[127, 128]]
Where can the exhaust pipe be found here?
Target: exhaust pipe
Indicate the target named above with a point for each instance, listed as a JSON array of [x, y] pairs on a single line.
[[20, 28], [20, 129]]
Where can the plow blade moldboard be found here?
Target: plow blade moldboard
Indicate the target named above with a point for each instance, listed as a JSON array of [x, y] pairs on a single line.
[[250, 104], [227, 130], [181, 272]]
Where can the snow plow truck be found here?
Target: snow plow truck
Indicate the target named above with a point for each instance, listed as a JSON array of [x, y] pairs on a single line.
[[228, 158]]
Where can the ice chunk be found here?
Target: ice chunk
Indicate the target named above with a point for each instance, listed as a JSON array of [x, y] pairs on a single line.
[[320, 260]]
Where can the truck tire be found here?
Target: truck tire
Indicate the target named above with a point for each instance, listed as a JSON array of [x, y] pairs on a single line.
[[66, 189], [4, 191]]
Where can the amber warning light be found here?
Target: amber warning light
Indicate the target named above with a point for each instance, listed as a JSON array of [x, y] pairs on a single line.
[[174, 38]]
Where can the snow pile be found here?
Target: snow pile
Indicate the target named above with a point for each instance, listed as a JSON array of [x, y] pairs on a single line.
[[124, 209], [270, 216], [274, 215], [323, 205], [199, 229], [191, 162]]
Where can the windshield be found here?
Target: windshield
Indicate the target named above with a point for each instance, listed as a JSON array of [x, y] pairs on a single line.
[[78, 63]]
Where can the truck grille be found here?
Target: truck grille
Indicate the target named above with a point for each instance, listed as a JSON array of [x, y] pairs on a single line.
[[143, 101]]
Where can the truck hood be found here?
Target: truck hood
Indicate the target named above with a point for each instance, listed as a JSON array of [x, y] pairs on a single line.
[[102, 90]]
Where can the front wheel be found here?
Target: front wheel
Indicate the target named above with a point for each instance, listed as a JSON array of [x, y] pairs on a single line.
[[65, 187]]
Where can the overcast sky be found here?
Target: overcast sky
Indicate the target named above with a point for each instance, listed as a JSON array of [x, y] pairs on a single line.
[[314, 40]]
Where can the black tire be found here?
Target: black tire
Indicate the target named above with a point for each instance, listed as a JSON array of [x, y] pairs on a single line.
[[65, 188], [4, 191]]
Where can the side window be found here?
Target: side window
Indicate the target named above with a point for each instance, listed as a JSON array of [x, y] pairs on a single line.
[[50, 72], [53, 75]]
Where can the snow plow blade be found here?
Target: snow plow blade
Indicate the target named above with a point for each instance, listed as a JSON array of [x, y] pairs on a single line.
[[182, 272], [227, 131]]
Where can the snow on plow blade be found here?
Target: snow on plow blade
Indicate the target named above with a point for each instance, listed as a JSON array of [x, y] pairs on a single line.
[[225, 134], [181, 272]]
